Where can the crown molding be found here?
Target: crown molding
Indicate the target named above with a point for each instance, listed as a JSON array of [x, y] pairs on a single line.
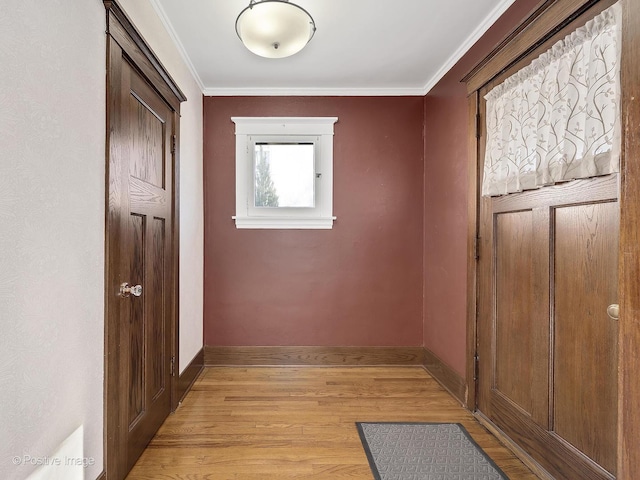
[[176, 41], [467, 44], [314, 92]]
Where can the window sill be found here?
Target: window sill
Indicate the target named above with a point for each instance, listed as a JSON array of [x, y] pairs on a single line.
[[301, 223]]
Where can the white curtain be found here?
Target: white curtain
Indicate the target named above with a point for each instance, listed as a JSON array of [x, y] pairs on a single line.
[[558, 119]]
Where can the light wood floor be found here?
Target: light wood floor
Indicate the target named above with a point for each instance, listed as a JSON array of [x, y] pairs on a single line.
[[282, 423]]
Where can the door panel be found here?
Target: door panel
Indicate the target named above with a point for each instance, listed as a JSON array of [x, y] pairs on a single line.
[[585, 353], [514, 304], [157, 368], [146, 144], [136, 323]]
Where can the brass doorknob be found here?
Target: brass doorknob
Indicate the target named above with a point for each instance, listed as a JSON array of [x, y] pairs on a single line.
[[613, 311], [126, 290]]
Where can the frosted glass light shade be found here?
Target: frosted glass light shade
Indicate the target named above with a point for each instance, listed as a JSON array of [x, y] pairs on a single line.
[[275, 28]]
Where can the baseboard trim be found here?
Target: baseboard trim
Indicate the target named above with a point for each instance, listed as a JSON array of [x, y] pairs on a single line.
[[523, 456], [188, 377], [312, 356], [451, 380]]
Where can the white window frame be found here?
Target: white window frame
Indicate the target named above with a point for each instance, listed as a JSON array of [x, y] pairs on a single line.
[[319, 131]]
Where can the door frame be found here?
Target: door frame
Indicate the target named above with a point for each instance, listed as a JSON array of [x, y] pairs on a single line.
[[542, 24], [124, 39]]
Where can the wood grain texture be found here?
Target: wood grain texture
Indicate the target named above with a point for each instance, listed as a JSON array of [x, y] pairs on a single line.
[[587, 190], [312, 355], [585, 338], [190, 374], [526, 459], [265, 423], [157, 364], [146, 198], [102, 476], [542, 374], [445, 376], [555, 454], [629, 323], [151, 170], [136, 328], [531, 427], [514, 302], [121, 36], [149, 355], [120, 27], [484, 267]]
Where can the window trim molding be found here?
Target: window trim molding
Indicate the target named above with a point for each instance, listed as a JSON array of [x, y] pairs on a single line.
[[322, 127]]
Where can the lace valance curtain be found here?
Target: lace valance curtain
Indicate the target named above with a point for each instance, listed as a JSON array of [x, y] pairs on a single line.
[[558, 119]]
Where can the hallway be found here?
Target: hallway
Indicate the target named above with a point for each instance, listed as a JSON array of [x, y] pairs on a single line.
[[263, 423]]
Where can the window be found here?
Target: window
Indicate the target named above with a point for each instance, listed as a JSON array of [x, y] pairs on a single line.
[[284, 172]]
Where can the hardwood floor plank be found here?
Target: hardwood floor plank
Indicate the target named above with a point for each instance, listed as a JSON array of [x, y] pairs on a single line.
[[263, 423]]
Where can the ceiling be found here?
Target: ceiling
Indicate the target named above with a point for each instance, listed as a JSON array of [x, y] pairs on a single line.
[[361, 47]]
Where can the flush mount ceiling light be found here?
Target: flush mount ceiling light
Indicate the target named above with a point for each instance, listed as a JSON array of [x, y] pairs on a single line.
[[274, 28]]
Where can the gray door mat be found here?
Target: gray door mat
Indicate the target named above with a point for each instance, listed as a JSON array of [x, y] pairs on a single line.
[[425, 451]]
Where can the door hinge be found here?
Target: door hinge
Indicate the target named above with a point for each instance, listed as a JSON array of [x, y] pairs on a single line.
[[173, 144], [478, 121], [476, 368], [173, 366], [476, 248]]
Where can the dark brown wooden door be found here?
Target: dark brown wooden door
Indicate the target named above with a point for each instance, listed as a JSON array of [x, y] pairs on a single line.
[[146, 343], [547, 348], [143, 114]]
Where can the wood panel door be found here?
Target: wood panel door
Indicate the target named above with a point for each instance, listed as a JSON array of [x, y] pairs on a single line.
[[146, 212], [547, 348], [141, 245]]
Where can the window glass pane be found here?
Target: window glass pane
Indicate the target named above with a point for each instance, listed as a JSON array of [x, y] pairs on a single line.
[[284, 175]]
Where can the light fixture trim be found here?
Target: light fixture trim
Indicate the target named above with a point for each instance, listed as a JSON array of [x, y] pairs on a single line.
[[263, 50]]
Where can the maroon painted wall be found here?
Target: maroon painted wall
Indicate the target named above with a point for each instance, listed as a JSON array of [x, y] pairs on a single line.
[[359, 284], [445, 187], [445, 236]]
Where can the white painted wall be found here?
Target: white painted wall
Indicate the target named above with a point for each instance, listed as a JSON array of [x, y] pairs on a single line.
[[66, 463], [144, 16], [52, 138]]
